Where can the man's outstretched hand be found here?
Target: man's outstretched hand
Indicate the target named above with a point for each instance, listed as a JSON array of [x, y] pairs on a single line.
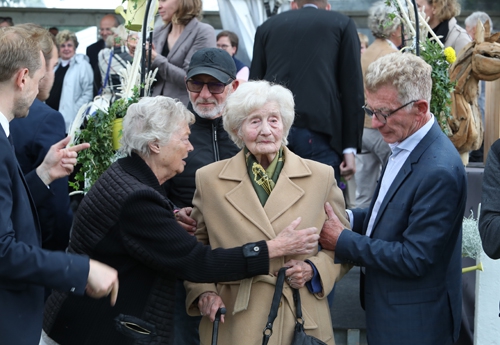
[[60, 161]]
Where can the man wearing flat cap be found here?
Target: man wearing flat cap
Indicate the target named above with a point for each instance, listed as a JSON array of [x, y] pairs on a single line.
[[210, 79]]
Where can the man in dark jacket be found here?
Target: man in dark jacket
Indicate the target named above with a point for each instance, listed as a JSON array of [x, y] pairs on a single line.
[[325, 79], [210, 79], [107, 22]]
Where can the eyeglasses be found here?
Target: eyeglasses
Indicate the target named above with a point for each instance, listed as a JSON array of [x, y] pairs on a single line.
[[213, 87], [6, 19], [381, 116]]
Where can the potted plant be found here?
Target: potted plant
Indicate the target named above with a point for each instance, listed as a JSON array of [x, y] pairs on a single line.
[[98, 132]]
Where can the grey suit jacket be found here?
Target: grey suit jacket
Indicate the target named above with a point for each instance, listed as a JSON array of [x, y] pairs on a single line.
[[172, 68]]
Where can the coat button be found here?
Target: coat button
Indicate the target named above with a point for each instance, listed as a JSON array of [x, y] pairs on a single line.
[[256, 249]]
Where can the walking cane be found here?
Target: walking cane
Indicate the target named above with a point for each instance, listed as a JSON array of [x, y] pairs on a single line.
[[215, 332]]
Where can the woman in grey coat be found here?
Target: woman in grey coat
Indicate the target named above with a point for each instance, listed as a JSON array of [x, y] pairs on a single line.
[[175, 42]]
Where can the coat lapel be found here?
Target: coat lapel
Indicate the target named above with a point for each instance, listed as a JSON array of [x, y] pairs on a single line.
[[160, 38], [406, 169], [285, 194]]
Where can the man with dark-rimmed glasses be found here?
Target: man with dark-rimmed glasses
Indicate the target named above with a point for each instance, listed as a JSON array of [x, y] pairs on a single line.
[[210, 79], [408, 242]]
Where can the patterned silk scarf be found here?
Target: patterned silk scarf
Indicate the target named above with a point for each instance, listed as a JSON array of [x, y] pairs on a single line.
[[264, 180]]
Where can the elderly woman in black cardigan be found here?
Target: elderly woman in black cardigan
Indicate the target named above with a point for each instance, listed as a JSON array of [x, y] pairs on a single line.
[[127, 221]]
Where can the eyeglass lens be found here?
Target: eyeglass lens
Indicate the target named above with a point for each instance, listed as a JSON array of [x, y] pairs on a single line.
[[197, 86], [380, 117]]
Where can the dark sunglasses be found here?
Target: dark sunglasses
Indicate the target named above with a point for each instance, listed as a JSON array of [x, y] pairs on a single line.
[[5, 19], [213, 87], [382, 117]]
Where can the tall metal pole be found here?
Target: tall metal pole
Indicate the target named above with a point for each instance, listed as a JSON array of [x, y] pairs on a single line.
[[417, 29], [144, 42]]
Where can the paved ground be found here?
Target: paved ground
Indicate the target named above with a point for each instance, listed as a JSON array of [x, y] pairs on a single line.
[[347, 312], [348, 318]]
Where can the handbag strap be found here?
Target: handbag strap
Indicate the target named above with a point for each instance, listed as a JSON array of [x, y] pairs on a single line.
[[298, 305], [107, 73], [268, 330]]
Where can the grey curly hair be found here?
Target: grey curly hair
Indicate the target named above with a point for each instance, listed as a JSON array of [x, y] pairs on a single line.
[[379, 21], [152, 119], [410, 75]]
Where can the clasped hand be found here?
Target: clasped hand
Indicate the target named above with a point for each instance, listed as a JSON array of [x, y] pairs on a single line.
[[209, 303]]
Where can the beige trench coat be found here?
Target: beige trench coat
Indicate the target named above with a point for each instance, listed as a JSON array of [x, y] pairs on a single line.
[[229, 214]]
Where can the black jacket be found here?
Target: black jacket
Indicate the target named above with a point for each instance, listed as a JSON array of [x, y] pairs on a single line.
[[211, 143], [315, 53], [127, 222]]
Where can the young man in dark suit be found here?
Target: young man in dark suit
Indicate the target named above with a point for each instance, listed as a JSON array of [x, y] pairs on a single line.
[[33, 136], [408, 241], [25, 268], [315, 53]]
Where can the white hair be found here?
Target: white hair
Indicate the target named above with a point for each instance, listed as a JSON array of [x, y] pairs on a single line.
[[379, 22], [471, 21], [251, 96], [152, 119]]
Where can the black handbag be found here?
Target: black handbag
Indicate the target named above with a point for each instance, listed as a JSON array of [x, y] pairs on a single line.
[[299, 335]]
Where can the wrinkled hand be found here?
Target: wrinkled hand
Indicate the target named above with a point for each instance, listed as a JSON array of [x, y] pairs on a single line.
[[298, 273], [293, 242], [184, 219], [102, 281], [59, 161], [331, 229], [208, 303], [348, 166]]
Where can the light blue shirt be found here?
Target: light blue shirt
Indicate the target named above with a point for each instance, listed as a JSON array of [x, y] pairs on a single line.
[[400, 152]]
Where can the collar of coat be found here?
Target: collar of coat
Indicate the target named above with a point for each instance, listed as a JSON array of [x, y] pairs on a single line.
[[294, 167]]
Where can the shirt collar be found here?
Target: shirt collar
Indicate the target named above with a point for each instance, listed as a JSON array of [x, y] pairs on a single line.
[[5, 124], [392, 44], [412, 141], [310, 5]]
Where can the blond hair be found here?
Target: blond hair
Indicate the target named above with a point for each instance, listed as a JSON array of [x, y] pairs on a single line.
[[66, 35], [445, 9], [19, 49], [46, 40], [187, 10]]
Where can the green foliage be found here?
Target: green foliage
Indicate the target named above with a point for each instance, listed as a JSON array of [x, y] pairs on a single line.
[[98, 132], [119, 107], [96, 159], [442, 87]]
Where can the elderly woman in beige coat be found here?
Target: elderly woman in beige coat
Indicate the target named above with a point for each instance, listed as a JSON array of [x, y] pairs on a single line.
[[251, 197]]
